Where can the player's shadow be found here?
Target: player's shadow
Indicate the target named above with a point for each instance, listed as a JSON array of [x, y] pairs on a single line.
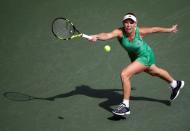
[[112, 96]]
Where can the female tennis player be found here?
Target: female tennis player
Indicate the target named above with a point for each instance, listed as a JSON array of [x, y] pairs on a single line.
[[141, 55]]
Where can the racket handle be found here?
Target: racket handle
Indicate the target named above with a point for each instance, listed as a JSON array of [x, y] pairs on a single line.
[[86, 36]]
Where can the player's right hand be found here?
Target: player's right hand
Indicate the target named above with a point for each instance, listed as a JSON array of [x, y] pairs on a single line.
[[93, 38]]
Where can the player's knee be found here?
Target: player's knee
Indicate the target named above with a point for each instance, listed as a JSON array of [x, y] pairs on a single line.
[[125, 75]]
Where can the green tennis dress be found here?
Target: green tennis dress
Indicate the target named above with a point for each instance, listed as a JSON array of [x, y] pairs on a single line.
[[138, 49]]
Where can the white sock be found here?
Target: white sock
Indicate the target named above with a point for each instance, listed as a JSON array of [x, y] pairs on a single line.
[[173, 84], [126, 102]]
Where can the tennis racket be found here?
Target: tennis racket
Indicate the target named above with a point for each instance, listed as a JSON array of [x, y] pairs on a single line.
[[64, 29]]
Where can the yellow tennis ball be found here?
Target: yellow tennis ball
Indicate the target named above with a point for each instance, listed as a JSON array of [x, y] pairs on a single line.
[[107, 48]]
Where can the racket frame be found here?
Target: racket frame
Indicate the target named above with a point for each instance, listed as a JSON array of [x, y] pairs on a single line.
[[76, 33]]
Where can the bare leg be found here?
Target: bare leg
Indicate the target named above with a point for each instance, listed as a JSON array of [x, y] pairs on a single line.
[[163, 74], [159, 72], [127, 73]]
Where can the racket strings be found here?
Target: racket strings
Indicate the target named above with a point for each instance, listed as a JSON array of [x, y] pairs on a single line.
[[63, 29]]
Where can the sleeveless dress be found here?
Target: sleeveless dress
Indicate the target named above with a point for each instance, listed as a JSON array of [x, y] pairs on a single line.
[[138, 49]]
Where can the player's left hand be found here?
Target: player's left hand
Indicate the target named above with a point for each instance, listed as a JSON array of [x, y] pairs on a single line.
[[174, 28]]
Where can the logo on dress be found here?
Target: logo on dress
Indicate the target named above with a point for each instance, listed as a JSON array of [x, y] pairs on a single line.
[[138, 43]]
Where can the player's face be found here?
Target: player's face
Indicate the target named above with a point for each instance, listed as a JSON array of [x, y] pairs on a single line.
[[129, 25]]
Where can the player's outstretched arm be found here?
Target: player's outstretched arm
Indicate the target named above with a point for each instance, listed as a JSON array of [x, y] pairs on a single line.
[[147, 30], [106, 36]]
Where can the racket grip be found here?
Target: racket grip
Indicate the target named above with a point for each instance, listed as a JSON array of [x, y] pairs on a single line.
[[86, 36]]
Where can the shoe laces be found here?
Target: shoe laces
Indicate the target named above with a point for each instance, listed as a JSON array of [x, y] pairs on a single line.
[[122, 105]]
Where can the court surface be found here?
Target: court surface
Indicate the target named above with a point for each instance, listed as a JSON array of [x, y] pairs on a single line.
[[77, 82]]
